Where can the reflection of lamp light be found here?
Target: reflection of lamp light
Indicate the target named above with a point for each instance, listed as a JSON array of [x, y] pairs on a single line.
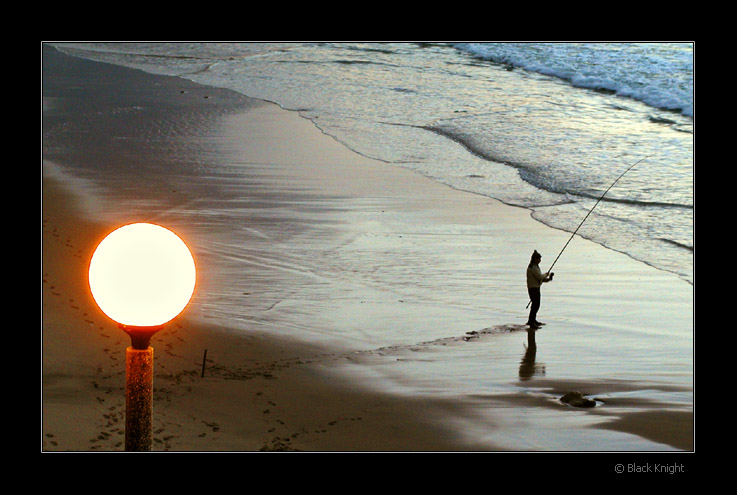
[[141, 276]]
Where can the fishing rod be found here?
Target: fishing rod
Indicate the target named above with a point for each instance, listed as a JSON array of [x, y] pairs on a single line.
[[589, 213]]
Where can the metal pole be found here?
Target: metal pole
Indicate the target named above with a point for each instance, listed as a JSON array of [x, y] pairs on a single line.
[[139, 391], [139, 388]]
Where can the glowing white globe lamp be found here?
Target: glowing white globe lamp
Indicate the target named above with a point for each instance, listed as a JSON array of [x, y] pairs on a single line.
[[141, 276]]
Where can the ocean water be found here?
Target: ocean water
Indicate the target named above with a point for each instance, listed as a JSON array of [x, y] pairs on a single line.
[[546, 126]]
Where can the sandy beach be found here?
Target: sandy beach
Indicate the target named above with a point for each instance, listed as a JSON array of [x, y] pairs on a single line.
[[266, 388]]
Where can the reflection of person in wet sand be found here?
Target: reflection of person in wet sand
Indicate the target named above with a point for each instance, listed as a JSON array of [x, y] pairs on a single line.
[[527, 367]]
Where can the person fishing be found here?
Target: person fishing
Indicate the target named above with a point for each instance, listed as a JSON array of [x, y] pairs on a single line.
[[535, 279]]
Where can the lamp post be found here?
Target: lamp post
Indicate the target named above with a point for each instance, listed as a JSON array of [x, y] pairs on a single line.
[[141, 276]]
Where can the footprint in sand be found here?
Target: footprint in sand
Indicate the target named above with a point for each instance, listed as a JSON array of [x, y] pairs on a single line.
[[52, 442], [211, 424], [279, 444]]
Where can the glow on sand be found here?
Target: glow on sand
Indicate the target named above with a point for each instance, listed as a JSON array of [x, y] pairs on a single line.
[[142, 275]]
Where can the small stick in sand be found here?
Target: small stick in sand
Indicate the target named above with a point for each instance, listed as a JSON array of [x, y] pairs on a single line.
[[204, 358]]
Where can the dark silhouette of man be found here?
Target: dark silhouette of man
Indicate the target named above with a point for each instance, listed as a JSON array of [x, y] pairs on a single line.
[[535, 278]]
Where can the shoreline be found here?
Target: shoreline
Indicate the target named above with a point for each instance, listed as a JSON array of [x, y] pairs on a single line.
[[278, 396]]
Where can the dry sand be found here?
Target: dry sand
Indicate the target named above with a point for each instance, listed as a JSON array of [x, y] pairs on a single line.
[[257, 393]]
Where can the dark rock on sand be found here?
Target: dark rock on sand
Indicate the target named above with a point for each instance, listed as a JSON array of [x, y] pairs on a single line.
[[577, 399]]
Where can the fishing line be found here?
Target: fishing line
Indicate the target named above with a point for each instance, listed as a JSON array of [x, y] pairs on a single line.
[[589, 213]]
